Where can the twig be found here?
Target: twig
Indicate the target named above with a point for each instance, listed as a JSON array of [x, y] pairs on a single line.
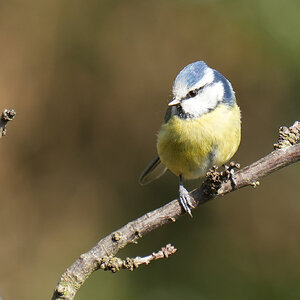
[[114, 264], [82, 268], [6, 116]]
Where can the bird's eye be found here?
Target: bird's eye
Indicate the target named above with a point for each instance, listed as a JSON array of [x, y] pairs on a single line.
[[193, 93]]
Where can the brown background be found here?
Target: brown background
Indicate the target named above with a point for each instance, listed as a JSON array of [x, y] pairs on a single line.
[[90, 81]]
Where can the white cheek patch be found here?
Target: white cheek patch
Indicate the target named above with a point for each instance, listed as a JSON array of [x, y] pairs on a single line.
[[205, 101]]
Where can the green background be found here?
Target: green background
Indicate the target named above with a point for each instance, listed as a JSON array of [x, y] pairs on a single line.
[[90, 81]]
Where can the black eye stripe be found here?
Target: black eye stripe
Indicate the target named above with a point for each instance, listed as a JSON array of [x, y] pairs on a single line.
[[193, 93]]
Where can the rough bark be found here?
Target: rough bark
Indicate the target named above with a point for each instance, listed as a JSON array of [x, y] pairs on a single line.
[[286, 152]]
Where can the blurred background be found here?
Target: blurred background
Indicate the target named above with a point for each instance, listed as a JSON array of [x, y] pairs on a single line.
[[90, 81]]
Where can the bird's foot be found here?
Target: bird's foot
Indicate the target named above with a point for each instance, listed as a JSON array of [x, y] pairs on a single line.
[[229, 173], [185, 200], [214, 178]]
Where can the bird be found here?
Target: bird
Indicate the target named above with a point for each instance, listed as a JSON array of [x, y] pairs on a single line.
[[201, 128]]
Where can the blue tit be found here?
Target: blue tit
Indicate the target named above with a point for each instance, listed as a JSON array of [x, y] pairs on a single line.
[[202, 128]]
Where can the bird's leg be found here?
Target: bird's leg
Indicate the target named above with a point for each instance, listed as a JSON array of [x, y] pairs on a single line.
[[229, 172], [184, 197]]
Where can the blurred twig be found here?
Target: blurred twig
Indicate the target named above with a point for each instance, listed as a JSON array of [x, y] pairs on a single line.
[[114, 264], [6, 116], [287, 151]]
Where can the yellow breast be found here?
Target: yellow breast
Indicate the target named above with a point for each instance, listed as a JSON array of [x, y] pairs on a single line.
[[191, 146]]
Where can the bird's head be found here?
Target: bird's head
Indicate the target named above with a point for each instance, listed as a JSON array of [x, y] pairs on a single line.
[[198, 89]]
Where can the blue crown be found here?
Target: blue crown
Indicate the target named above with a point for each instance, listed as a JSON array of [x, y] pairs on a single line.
[[191, 74], [194, 72]]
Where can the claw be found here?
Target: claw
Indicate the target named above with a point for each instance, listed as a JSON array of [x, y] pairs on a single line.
[[185, 198], [229, 172], [185, 201], [214, 178]]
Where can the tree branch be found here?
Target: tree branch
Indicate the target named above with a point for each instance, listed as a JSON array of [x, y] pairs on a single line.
[[6, 116], [287, 151]]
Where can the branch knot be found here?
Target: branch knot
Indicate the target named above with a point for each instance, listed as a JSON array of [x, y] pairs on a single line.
[[288, 136], [6, 116], [214, 178]]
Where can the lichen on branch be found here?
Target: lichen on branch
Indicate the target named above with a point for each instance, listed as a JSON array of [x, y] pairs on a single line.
[[102, 256], [6, 116]]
